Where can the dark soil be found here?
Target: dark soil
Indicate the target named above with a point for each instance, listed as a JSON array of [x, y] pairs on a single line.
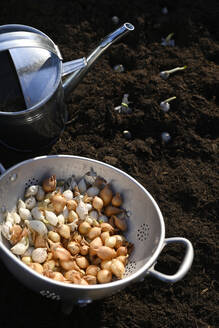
[[182, 175]]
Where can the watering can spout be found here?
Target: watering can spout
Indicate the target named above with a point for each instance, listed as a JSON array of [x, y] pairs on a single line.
[[73, 66], [74, 79]]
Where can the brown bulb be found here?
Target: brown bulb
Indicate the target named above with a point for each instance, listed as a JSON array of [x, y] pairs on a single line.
[[117, 200], [49, 184], [106, 194], [112, 210]]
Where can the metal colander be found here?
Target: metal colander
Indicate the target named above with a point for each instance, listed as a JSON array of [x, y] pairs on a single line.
[[146, 228]]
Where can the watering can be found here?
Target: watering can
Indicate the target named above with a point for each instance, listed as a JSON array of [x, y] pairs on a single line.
[[34, 83]]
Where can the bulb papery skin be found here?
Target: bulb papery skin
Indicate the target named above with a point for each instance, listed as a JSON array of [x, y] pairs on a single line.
[[165, 137], [119, 68], [93, 191], [49, 184], [68, 194], [82, 186], [31, 191], [21, 247], [165, 106], [117, 267], [51, 217], [106, 195], [30, 202], [117, 200], [39, 255], [6, 230], [40, 194], [37, 214], [104, 276], [20, 204], [94, 214], [82, 210], [25, 214], [58, 202], [16, 217], [98, 203], [115, 20], [10, 218], [164, 11], [127, 134], [38, 226], [164, 75]]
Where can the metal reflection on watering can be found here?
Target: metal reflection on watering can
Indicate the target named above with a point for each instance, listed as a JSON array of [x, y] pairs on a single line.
[[32, 108]]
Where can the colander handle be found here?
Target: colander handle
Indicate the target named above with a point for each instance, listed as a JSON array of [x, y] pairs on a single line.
[[185, 265]]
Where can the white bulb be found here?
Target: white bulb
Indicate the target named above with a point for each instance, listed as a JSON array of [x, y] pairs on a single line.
[[164, 11], [119, 68], [115, 20], [165, 106], [164, 75], [127, 135], [165, 137]]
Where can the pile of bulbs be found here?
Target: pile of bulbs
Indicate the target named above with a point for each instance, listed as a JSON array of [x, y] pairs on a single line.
[[70, 232]]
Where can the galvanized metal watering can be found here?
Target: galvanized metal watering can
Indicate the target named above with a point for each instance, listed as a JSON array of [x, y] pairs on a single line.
[[32, 91]]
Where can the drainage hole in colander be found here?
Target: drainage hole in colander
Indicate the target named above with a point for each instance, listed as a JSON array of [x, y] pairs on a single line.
[[143, 232], [130, 267], [31, 182]]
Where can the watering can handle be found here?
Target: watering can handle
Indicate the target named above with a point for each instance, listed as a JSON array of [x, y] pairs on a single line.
[[185, 265], [2, 169]]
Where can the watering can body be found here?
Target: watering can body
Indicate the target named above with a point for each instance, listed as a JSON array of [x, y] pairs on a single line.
[[33, 112]]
